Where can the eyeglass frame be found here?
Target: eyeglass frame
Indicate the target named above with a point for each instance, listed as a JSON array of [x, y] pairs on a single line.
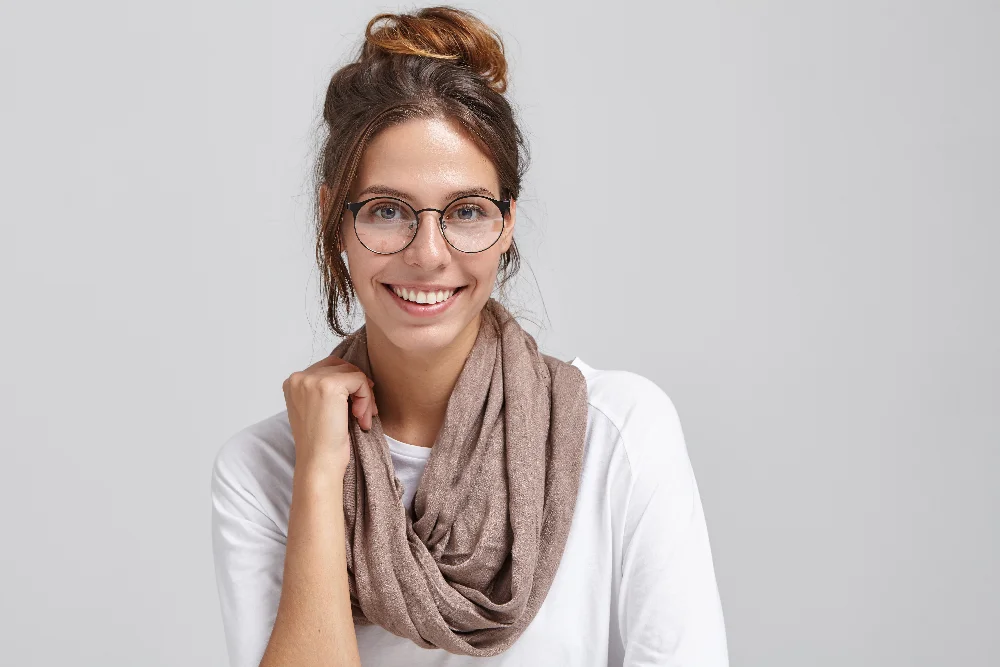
[[502, 204]]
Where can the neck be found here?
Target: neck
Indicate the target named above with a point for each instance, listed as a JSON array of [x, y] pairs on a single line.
[[412, 388]]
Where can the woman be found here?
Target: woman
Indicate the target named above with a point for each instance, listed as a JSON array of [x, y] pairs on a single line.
[[439, 492]]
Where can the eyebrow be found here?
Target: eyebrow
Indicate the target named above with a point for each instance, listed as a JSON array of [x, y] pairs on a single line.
[[392, 192]]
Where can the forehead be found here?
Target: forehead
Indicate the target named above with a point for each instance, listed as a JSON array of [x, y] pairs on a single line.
[[427, 157]]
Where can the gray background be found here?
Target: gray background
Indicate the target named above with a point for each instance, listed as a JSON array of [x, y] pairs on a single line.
[[784, 213]]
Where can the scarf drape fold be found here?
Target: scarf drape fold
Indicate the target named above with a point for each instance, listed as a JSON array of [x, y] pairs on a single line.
[[468, 570]]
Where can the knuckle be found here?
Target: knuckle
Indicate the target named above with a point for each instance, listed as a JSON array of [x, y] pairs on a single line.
[[328, 385], [309, 382]]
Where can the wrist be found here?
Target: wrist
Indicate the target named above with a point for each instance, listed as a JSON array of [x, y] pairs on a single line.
[[320, 474]]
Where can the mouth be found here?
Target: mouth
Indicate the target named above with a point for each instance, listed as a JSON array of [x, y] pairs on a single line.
[[419, 302]]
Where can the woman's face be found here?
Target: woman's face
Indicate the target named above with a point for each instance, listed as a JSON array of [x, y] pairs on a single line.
[[425, 162]]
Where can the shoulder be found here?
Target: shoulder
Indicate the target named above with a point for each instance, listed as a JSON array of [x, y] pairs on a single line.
[[640, 412], [265, 445], [253, 469]]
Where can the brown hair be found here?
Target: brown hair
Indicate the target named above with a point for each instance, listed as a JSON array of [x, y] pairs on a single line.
[[436, 62]]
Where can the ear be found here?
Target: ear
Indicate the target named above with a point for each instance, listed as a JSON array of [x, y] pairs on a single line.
[[508, 232]]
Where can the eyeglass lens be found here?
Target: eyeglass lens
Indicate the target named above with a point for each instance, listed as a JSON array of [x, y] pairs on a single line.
[[471, 224]]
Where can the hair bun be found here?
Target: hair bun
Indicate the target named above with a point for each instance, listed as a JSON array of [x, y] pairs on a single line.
[[441, 32]]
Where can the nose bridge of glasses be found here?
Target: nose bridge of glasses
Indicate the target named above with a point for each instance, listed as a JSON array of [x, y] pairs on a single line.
[[436, 219], [417, 211]]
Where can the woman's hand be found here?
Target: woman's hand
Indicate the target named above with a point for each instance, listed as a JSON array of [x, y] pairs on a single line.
[[317, 400]]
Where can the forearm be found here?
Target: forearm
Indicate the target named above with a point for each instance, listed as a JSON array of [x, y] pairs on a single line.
[[314, 624]]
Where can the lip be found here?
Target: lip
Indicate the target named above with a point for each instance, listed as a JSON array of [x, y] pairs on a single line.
[[424, 310]]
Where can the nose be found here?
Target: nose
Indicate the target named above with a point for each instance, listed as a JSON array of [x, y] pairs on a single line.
[[428, 249]]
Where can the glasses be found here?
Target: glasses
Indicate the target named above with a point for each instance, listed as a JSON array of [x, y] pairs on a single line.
[[386, 225]]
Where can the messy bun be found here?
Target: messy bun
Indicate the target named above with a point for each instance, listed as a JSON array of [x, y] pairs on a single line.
[[436, 62], [441, 32]]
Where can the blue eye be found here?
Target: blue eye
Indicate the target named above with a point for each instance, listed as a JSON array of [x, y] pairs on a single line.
[[466, 212]]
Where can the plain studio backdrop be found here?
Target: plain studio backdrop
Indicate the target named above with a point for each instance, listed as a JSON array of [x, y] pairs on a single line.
[[783, 213]]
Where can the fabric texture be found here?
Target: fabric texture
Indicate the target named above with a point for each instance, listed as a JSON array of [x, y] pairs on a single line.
[[470, 568], [636, 583]]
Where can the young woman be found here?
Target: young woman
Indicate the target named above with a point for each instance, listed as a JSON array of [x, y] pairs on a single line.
[[438, 491]]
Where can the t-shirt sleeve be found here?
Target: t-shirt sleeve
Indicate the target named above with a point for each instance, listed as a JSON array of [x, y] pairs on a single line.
[[670, 613], [249, 551]]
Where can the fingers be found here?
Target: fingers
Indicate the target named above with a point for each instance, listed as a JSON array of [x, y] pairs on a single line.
[[363, 401], [360, 393], [371, 407], [337, 361], [359, 386], [366, 397]]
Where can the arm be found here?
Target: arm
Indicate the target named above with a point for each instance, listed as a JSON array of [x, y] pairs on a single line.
[[287, 598], [313, 620], [314, 625], [670, 613]]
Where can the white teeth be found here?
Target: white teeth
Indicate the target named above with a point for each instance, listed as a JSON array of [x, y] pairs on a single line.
[[423, 297]]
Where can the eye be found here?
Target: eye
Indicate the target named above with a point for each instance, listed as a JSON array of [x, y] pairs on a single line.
[[466, 212], [386, 211]]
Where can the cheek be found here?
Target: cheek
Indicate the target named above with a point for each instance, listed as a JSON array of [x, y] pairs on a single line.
[[361, 264], [485, 270]]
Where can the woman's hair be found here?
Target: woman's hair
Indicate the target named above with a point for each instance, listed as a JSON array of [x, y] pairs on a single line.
[[436, 62]]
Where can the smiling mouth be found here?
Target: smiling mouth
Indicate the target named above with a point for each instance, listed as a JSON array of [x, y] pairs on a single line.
[[421, 297]]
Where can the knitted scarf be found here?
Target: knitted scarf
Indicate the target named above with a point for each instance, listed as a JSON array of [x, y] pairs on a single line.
[[469, 569]]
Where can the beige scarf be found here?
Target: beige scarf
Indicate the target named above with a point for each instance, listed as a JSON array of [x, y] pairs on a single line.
[[469, 569]]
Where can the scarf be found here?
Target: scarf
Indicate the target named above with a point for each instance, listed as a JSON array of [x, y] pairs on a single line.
[[469, 569]]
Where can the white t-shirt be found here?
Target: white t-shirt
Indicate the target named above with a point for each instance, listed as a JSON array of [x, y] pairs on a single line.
[[635, 586]]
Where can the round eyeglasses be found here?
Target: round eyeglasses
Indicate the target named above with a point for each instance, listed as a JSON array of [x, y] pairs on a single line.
[[386, 225]]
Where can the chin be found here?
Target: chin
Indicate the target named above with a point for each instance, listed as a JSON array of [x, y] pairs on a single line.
[[427, 339]]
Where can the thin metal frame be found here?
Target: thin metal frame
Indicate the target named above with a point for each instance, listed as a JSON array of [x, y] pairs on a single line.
[[502, 204]]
